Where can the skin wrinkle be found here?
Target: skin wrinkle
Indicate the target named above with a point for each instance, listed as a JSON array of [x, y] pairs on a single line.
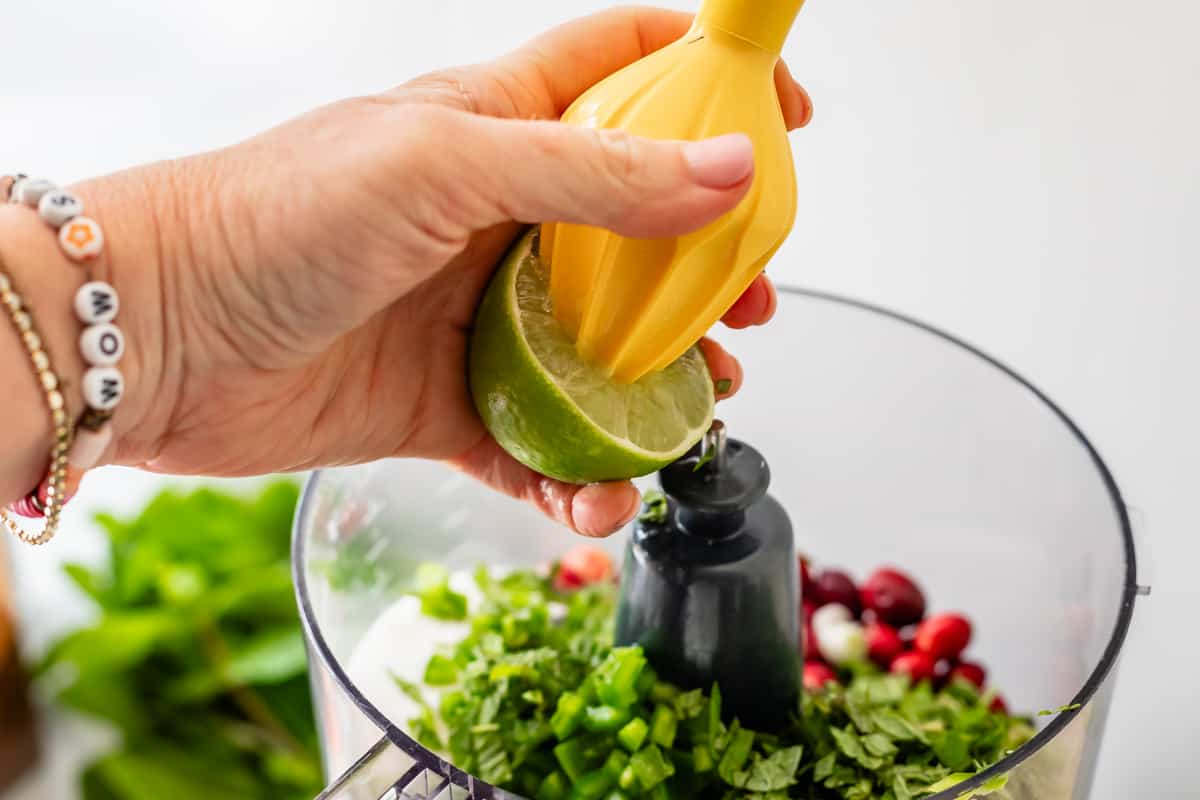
[[326, 406], [166, 321], [172, 289], [293, 314]]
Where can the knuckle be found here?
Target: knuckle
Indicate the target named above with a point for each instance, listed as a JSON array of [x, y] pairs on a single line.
[[450, 88], [619, 154]]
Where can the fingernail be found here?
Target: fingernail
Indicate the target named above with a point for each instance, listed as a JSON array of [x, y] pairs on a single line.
[[720, 162], [806, 100], [761, 301]]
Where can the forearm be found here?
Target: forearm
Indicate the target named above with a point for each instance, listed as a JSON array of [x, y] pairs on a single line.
[[47, 280]]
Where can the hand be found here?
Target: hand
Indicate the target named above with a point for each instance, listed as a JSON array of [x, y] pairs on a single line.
[[316, 284]]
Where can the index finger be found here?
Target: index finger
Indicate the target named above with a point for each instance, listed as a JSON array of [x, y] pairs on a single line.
[[546, 74]]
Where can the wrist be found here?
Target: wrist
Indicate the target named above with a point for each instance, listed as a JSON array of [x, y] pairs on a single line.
[[30, 256], [48, 281], [127, 206]]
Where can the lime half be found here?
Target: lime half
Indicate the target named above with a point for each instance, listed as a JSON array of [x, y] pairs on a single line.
[[561, 416]]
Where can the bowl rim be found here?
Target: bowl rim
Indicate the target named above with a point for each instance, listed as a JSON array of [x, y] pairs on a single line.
[[481, 789]]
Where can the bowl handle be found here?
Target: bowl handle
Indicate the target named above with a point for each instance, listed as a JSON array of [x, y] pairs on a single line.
[[374, 775], [1141, 547], [387, 772]]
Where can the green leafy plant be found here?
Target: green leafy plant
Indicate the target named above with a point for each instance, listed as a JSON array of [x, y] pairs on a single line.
[[197, 656]]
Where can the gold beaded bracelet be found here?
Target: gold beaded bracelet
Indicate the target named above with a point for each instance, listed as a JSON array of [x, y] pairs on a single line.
[[23, 322]]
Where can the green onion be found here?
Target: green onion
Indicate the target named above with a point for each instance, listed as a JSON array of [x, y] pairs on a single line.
[[605, 719], [555, 787], [633, 734], [651, 767], [663, 726], [571, 758], [617, 676], [567, 715], [592, 786], [616, 763]]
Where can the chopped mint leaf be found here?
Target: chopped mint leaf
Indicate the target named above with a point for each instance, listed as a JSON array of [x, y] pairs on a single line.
[[438, 600], [554, 709], [724, 385], [948, 782], [655, 510], [1060, 710], [704, 459]]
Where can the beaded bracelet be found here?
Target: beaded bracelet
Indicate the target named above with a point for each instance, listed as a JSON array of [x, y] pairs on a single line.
[[101, 343], [23, 321]]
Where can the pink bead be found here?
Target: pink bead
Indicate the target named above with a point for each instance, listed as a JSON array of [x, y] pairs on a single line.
[[68, 487], [88, 447], [26, 508]]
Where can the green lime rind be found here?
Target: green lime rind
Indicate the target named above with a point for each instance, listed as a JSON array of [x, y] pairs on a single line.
[[560, 416]]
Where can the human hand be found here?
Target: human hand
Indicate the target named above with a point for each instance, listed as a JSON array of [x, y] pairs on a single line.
[[316, 285]]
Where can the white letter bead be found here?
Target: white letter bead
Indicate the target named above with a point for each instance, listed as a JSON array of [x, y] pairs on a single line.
[[88, 447], [102, 344], [81, 238], [31, 191], [58, 207], [14, 191], [96, 301], [103, 387]]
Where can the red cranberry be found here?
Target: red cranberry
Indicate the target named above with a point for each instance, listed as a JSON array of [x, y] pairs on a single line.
[[835, 586], [582, 566], [809, 606], [998, 705], [817, 675], [944, 635], [916, 665], [970, 671], [805, 577], [894, 597], [883, 643]]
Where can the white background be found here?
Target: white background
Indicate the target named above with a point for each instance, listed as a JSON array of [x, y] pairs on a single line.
[[1024, 174]]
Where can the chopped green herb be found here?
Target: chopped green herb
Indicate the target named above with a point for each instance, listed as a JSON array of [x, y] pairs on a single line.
[[1060, 710], [562, 714], [654, 507]]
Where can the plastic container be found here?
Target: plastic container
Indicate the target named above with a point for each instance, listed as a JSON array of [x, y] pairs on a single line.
[[888, 442]]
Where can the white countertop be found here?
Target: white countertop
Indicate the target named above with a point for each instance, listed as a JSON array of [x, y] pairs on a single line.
[[1022, 174]]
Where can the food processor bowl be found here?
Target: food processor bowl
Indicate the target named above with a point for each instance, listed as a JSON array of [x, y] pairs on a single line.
[[890, 442]]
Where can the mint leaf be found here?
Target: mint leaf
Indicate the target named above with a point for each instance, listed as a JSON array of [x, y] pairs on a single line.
[[773, 773], [824, 767], [951, 749]]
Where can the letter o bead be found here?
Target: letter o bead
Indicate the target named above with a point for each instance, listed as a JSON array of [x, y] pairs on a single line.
[[102, 345]]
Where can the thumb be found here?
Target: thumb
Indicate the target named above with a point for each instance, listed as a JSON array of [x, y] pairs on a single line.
[[553, 172]]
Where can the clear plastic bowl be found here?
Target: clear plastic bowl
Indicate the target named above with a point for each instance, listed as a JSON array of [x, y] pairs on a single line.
[[890, 443]]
